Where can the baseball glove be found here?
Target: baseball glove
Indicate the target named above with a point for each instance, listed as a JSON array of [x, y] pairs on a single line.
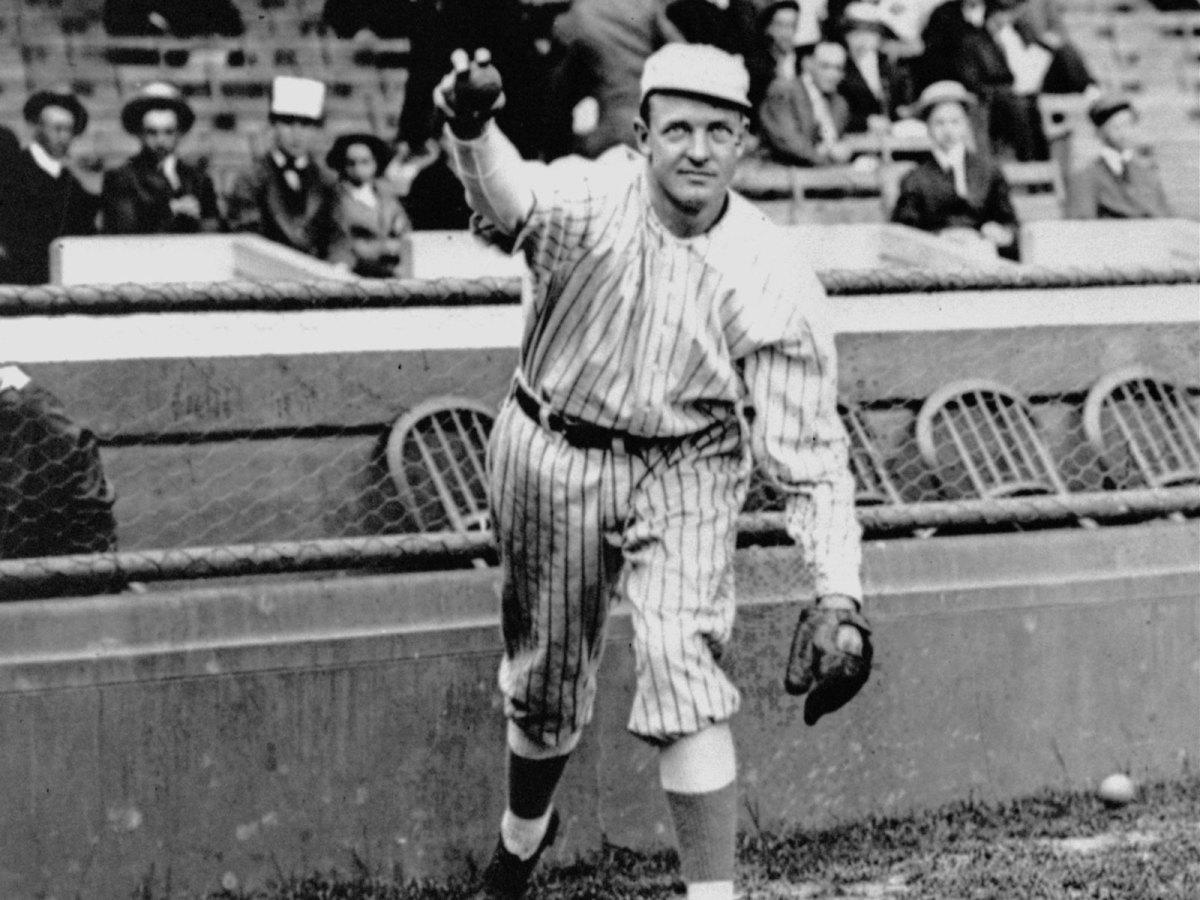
[[820, 667]]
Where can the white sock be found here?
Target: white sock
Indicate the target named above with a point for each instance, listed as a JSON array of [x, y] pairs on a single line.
[[710, 890], [522, 836]]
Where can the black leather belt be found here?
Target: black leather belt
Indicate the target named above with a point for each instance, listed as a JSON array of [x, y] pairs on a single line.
[[578, 433]]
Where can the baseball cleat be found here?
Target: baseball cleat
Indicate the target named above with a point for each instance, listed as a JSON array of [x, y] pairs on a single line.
[[507, 875]]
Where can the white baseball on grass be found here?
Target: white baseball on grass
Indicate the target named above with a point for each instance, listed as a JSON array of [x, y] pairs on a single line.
[[1116, 790]]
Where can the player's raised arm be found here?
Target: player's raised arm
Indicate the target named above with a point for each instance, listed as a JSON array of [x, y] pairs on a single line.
[[496, 179]]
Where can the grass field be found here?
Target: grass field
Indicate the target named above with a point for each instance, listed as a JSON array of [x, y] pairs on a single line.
[[1054, 845]]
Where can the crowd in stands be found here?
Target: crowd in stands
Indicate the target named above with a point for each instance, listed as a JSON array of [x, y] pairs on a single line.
[[829, 89]]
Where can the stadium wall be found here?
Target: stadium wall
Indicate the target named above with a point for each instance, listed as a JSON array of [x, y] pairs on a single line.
[[194, 734]]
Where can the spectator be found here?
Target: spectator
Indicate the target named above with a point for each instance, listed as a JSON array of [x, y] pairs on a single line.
[[45, 199], [874, 85], [383, 18], [54, 498], [961, 44], [1122, 182], [594, 89], [803, 121], [1042, 20], [777, 58], [436, 199], [10, 154], [179, 18], [958, 193], [285, 195], [366, 210], [155, 192]]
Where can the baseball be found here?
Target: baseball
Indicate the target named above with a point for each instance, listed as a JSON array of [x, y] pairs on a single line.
[[1116, 790]]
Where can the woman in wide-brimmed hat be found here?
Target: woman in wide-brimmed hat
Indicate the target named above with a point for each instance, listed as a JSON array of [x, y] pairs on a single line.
[[956, 192], [367, 210]]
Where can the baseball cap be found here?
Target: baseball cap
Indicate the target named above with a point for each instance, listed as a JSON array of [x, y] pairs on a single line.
[[699, 69]]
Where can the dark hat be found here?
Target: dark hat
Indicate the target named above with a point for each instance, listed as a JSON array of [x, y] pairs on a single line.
[[768, 11], [1105, 107], [941, 92], [156, 95], [336, 157], [60, 96]]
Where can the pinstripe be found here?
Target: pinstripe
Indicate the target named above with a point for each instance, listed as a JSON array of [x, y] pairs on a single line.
[[634, 329]]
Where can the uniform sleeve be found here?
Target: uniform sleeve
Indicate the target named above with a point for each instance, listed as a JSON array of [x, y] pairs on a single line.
[[799, 441], [541, 210]]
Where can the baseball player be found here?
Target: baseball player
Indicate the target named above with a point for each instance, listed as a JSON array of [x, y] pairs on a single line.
[[661, 305]]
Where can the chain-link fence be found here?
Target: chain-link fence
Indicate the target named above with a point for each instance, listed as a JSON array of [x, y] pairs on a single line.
[[233, 465]]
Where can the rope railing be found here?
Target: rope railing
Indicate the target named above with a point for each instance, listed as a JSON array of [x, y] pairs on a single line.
[[237, 296], [41, 576]]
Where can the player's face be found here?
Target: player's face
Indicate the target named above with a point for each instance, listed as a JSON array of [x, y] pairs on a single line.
[[948, 126], [781, 30], [295, 137], [360, 165], [692, 148], [55, 130], [160, 132], [1120, 131]]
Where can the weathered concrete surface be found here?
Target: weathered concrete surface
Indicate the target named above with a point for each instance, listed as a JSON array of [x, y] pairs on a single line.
[[227, 729]]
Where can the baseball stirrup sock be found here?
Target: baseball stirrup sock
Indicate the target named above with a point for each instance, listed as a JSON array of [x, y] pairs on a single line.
[[706, 825], [531, 784]]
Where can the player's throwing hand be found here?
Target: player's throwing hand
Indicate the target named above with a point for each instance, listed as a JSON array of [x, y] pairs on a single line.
[[471, 93]]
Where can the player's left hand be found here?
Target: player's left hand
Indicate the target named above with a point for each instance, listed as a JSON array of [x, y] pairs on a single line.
[[830, 659]]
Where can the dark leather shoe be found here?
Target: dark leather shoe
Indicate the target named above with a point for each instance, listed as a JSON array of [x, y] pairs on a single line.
[[506, 876]]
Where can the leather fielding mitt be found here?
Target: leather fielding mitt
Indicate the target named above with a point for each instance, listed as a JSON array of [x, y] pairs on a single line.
[[819, 667]]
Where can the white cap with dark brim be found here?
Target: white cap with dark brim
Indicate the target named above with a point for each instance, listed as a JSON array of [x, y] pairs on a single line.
[[700, 70], [297, 98]]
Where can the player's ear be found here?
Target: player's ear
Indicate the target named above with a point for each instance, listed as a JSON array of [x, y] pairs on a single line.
[[641, 133]]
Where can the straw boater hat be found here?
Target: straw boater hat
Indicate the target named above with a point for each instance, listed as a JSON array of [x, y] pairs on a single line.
[[1105, 107], [157, 95], [865, 15], [941, 92], [336, 157], [297, 98], [60, 96], [699, 70]]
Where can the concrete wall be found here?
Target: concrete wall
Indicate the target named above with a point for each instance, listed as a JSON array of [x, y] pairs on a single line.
[[208, 730]]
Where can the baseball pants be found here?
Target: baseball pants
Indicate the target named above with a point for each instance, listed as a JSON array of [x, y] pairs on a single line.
[[581, 529]]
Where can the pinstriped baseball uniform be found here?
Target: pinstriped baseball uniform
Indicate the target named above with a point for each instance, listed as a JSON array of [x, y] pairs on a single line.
[[633, 329]]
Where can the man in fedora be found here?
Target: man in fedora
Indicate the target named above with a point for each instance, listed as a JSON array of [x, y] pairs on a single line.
[[1122, 182], [285, 195], [155, 192], [44, 200]]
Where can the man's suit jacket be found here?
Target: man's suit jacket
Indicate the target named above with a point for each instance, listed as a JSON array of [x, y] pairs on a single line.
[[261, 202], [37, 209], [929, 202], [1094, 192], [789, 124], [136, 199], [863, 102]]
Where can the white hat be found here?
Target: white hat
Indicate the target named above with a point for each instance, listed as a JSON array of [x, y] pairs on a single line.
[[301, 98], [698, 69]]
